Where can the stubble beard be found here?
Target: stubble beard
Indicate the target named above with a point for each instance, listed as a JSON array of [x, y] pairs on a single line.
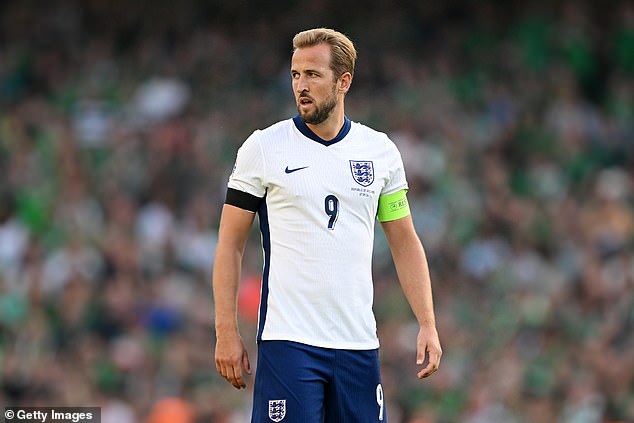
[[321, 112]]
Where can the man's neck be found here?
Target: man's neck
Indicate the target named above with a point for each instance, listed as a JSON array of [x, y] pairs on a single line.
[[329, 129]]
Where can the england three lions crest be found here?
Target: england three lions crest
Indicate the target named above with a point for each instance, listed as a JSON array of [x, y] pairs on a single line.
[[277, 410], [362, 172]]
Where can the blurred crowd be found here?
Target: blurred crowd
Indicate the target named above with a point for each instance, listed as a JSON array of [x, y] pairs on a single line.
[[119, 123]]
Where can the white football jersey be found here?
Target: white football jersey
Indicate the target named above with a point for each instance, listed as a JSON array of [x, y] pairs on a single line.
[[317, 221]]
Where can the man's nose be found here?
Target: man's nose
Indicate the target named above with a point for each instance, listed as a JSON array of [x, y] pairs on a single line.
[[302, 84]]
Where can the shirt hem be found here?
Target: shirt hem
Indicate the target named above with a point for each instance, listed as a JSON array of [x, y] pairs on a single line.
[[337, 345]]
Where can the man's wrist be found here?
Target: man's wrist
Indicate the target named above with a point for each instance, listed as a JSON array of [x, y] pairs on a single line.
[[227, 330], [427, 323]]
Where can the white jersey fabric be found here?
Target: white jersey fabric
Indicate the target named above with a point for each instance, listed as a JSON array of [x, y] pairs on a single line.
[[317, 221]]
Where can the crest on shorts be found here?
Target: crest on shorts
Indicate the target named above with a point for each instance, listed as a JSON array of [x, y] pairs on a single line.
[[362, 172], [277, 410]]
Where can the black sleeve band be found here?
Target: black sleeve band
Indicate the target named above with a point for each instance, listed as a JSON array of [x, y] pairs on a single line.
[[243, 200]]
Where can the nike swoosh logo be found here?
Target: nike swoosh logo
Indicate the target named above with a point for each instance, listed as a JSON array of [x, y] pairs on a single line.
[[287, 170]]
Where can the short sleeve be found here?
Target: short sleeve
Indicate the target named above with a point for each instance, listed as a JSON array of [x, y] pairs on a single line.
[[396, 180], [248, 173]]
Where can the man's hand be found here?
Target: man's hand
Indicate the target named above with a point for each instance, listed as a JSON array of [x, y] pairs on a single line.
[[231, 359], [428, 344]]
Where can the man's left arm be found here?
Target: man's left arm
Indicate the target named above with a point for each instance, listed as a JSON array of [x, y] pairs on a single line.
[[413, 274]]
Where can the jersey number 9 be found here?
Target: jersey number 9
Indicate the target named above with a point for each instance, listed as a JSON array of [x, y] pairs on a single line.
[[331, 207]]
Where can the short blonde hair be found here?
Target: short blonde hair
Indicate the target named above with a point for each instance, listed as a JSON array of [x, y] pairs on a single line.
[[343, 53]]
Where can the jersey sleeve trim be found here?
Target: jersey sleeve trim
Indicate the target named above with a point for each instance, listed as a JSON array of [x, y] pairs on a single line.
[[243, 200], [393, 206]]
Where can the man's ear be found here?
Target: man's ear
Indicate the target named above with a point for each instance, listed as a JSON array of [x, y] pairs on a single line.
[[344, 82]]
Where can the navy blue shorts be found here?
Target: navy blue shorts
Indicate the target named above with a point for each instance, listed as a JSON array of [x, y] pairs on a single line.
[[297, 383]]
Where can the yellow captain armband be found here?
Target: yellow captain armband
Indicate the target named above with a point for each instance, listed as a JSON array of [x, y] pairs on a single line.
[[393, 206]]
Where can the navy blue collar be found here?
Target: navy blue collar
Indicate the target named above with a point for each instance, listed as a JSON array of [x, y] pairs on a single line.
[[306, 131]]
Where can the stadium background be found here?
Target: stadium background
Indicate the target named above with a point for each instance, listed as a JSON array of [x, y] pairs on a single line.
[[119, 122]]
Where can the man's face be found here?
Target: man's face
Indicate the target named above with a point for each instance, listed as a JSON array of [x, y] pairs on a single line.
[[314, 83]]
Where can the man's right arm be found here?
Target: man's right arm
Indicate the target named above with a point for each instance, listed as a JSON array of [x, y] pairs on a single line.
[[231, 356]]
